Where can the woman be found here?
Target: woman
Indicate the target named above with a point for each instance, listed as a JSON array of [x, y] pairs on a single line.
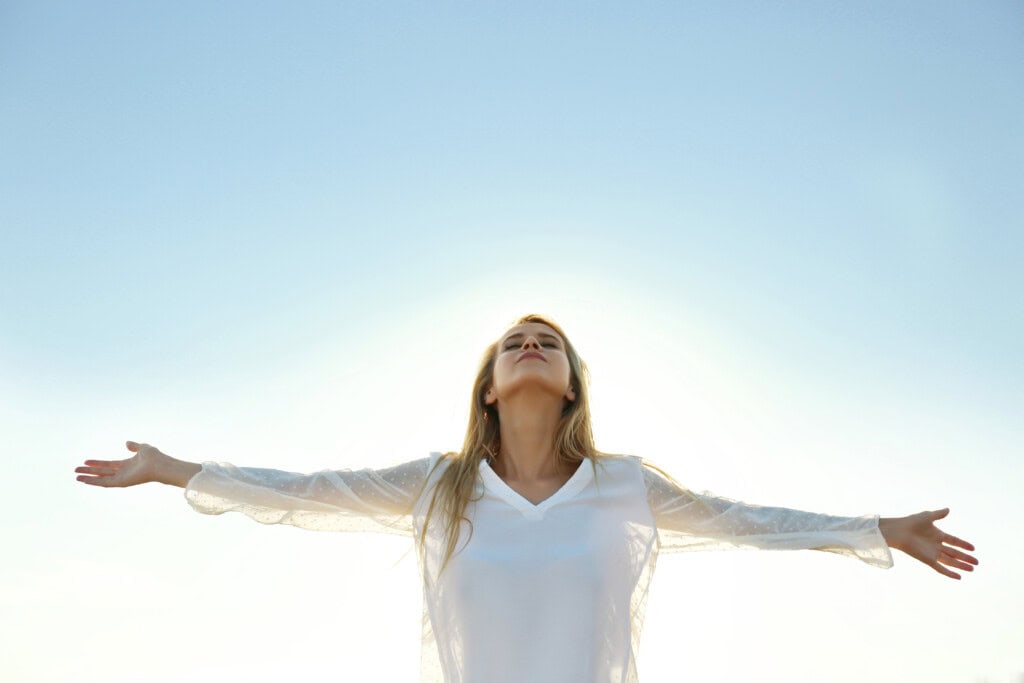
[[535, 548]]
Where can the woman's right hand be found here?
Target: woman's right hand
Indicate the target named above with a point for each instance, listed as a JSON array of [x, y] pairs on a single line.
[[141, 468]]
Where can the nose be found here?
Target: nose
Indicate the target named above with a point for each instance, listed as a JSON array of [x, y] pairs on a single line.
[[531, 343]]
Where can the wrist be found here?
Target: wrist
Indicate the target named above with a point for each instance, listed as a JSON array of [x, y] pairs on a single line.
[[890, 531], [174, 472]]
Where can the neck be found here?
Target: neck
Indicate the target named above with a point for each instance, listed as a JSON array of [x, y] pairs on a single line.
[[528, 424]]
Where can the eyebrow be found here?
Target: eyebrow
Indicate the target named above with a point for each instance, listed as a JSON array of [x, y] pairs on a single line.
[[539, 334]]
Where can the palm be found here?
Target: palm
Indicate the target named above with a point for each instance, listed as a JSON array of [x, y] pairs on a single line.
[[922, 540], [118, 473]]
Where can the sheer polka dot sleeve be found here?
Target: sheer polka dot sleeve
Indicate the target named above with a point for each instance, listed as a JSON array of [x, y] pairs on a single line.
[[700, 521], [329, 500]]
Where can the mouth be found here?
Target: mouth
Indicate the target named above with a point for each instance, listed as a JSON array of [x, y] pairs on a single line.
[[532, 354]]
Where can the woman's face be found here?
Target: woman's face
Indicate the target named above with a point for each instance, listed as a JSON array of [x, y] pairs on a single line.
[[515, 372]]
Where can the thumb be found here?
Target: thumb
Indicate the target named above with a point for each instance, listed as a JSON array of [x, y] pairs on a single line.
[[132, 446], [939, 514]]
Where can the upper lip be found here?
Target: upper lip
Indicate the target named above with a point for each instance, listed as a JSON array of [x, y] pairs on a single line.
[[527, 354]]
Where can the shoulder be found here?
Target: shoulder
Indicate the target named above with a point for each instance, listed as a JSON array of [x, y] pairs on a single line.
[[638, 466], [618, 464], [439, 461]]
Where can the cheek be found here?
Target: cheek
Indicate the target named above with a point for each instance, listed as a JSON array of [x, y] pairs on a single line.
[[503, 366], [564, 370]]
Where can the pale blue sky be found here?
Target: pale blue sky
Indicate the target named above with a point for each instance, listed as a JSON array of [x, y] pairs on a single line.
[[789, 240]]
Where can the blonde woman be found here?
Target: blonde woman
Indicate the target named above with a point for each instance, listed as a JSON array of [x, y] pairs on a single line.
[[535, 548]]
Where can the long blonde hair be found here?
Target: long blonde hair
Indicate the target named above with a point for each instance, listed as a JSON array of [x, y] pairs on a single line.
[[574, 440]]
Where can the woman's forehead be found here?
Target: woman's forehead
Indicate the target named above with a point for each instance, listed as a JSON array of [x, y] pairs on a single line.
[[531, 328]]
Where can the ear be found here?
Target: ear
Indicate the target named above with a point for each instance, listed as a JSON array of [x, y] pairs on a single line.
[[570, 394], [489, 398]]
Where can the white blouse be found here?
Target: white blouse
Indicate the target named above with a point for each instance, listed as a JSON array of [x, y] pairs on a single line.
[[547, 592]]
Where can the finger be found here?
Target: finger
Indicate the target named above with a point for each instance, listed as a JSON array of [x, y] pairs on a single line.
[[964, 557], [95, 481], [113, 464], [952, 562], [939, 514], [103, 471], [953, 540], [945, 572]]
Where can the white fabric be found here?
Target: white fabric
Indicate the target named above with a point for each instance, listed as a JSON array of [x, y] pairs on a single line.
[[553, 592]]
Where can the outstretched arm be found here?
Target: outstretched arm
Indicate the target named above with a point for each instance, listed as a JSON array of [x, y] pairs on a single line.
[[694, 521], [327, 500], [687, 520], [917, 536]]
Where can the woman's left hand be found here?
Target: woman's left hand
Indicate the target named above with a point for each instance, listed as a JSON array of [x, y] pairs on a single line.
[[917, 536]]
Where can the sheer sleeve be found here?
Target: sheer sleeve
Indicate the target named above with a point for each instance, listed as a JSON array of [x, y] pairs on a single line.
[[329, 500], [700, 521]]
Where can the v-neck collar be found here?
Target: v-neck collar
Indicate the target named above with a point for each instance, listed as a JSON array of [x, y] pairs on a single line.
[[579, 479]]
